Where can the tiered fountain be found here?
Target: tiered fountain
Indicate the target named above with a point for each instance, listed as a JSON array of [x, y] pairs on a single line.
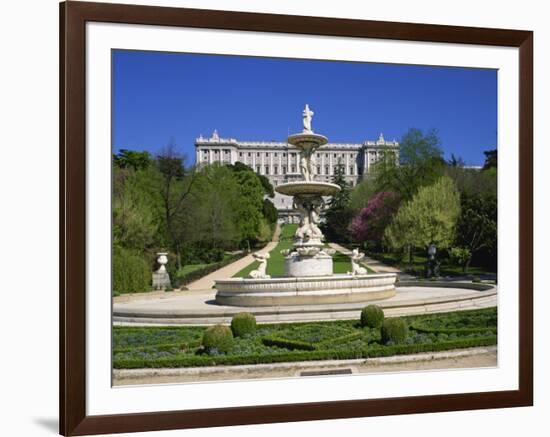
[[309, 277]]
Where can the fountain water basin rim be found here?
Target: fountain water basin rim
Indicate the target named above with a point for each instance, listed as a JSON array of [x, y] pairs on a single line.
[[310, 290], [308, 188]]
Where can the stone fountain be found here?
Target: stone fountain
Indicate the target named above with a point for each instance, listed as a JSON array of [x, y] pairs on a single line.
[[309, 277]]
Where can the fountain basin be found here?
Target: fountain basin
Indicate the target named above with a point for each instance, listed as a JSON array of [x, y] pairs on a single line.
[[308, 188], [312, 290]]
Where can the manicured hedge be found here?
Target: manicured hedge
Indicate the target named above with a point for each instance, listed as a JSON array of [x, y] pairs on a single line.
[[394, 329], [217, 339], [304, 355], [243, 324], [458, 331], [184, 279], [372, 316], [286, 343]]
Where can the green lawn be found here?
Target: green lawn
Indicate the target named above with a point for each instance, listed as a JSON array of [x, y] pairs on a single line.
[[156, 347], [276, 262]]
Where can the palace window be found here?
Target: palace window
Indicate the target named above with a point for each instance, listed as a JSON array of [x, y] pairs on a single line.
[[284, 169], [258, 154], [293, 168], [266, 154], [318, 169], [327, 169], [275, 169], [249, 154], [267, 169], [284, 155], [258, 169]]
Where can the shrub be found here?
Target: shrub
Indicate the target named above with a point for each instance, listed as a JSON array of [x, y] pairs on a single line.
[[372, 316], [217, 338], [394, 329], [131, 272], [476, 280], [242, 324]]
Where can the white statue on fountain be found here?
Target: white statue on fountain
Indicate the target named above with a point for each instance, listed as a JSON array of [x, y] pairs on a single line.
[[356, 268], [307, 116], [260, 273]]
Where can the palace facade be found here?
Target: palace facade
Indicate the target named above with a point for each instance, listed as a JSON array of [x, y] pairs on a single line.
[[280, 161]]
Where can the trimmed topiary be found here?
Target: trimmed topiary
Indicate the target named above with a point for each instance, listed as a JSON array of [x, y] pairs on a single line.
[[242, 324], [394, 329], [372, 316], [217, 338]]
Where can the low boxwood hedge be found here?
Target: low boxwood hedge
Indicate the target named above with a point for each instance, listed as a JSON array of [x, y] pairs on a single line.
[[184, 279], [304, 355]]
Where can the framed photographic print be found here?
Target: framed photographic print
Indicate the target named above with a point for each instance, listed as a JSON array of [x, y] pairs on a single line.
[[269, 218]]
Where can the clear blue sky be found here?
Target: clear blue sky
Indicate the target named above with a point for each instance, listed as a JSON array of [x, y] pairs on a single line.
[[159, 96]]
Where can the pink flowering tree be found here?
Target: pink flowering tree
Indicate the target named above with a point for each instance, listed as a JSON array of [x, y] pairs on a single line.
[[370, 222]]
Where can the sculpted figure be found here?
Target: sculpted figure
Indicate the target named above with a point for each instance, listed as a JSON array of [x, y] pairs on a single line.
[[259, 273], [307, 116], [356, 268]]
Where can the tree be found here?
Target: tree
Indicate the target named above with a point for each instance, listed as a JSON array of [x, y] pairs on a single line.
[[490, 159], [370, 223], [135, 209], [132, 159], [339, 214], [176, 185], [421, 164], [477, 224], [430, 217]]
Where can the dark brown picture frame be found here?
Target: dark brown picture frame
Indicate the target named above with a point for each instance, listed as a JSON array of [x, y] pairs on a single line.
[[72, 405]]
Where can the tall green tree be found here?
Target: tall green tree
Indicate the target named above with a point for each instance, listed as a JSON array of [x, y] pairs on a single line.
[[491, 159], [177, 181], [136, 220], [421, 164], [430, 217], [339, 213], [132, 159], [477, 224]]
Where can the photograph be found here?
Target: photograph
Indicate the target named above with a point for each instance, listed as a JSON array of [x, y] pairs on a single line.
[[290, 218]]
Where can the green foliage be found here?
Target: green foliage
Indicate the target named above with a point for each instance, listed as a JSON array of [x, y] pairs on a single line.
[[217, 339], [372, 316], [269, 211], [186, 275], [477, 225], [250, 206], [155, 347], [421, 160], [136, 220], [243, 324], [132, 159], [287, 343], [460, 256], [429, 218], [491, 159], [394, 330], [131, 271], [339, 214]]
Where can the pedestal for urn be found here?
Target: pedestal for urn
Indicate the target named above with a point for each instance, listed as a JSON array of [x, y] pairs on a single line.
[[309, 257], [161, 278]]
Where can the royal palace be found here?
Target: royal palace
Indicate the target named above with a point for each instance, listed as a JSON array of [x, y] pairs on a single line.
[[280, 161]]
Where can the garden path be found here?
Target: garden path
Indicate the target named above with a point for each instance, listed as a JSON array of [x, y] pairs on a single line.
[[207, 282], [375, 265]]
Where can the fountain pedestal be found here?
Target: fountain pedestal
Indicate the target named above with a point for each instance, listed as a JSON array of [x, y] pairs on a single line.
[[310, 257]]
